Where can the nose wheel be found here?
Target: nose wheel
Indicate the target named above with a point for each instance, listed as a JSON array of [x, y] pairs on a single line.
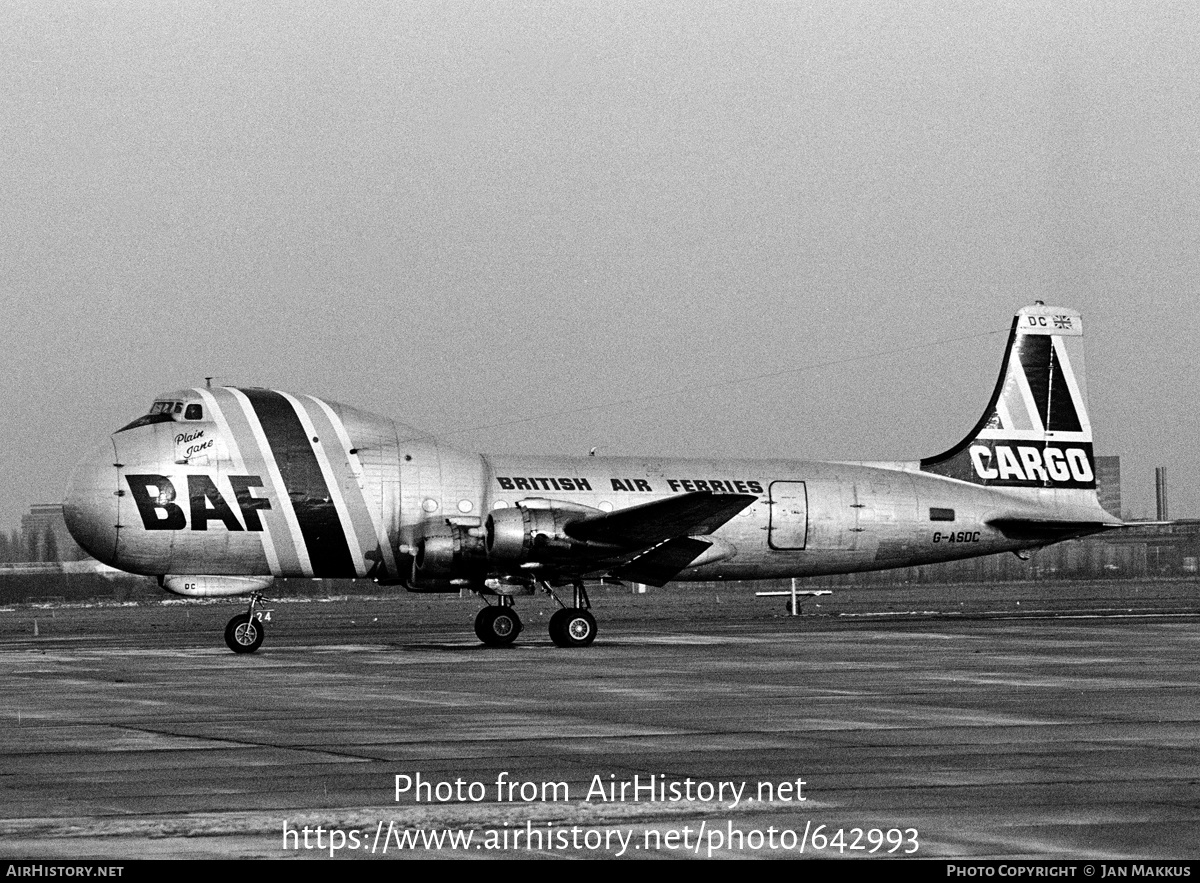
[[244, 633]]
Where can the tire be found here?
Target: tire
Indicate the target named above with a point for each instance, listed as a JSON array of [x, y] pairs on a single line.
[[572, 627], [558, 627], [244, 634], [497, 626]]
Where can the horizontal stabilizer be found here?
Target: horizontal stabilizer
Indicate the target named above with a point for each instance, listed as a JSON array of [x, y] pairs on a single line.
[[659, 565], [1049, 530], [699, 512]]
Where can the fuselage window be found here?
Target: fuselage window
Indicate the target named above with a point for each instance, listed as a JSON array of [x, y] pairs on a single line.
[[194, 412], [936, 514]]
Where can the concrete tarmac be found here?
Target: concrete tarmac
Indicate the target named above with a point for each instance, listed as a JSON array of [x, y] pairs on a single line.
[[979, 730]]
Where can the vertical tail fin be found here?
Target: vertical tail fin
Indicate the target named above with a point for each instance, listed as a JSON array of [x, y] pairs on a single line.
[[1035, 431]]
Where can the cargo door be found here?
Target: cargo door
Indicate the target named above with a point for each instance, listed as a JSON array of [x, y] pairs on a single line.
[[788, 528]]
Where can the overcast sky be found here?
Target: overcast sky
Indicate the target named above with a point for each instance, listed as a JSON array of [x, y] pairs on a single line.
[[461, 214]]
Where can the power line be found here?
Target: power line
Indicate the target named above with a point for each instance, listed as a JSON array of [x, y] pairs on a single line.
[[737, 381]]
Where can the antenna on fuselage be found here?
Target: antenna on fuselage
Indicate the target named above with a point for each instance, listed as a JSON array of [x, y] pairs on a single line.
[[208, 383]]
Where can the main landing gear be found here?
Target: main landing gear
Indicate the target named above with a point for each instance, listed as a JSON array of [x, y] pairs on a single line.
[[244, 633], [573, 626], [498, 625]]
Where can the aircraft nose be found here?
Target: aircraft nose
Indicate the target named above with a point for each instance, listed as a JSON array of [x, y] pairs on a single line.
[[90, 507]]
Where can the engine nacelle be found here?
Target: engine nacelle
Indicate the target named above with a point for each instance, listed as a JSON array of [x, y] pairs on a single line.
[[448, 557], [213, 586], [535, 530]]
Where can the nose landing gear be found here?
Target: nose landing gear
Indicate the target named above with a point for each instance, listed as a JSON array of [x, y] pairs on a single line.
[[244, 633]]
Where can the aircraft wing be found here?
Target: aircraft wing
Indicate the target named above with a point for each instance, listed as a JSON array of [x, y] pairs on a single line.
[[657, 566], [648, 525]]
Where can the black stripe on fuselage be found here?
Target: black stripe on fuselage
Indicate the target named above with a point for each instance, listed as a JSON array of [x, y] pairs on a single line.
[[318, 518]]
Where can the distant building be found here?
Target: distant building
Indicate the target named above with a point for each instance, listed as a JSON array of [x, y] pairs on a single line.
[[43, 520], [1108, 484]]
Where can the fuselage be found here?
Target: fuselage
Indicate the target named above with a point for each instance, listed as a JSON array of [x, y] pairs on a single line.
[[267, 483]]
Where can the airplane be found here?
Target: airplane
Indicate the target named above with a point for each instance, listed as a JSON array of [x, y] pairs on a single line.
[[218, 491]]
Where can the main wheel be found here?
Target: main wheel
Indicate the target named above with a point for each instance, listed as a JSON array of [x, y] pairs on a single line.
[[572, 627], [497, 626], [244, 634]]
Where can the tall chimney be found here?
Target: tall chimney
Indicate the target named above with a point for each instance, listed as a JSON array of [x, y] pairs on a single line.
[[1160, 490]]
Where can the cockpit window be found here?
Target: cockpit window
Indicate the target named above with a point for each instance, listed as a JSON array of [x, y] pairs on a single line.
[[167, 411], [147, 419]]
